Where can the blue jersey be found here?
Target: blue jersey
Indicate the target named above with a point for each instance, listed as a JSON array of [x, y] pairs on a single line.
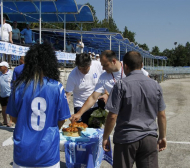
[[36, 135], [17, 71]]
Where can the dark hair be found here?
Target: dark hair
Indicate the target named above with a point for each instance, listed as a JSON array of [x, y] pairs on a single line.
[[40, 62], [109, 54], [83, 60], [133, 60]]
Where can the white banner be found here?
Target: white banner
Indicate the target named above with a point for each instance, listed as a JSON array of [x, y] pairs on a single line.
[[13, 49], [65, 56]]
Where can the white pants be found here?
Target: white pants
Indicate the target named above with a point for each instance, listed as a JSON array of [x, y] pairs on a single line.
[[57, 165]]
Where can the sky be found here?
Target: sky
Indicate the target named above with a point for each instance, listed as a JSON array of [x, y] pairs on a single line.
[[155, 22]]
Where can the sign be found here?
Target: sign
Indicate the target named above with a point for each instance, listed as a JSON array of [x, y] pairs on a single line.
[[17, 50]]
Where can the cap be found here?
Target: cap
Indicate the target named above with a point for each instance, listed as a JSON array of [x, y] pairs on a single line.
[[97, 55], [93, 53], [27, 23], [3, 63], [89, 52]]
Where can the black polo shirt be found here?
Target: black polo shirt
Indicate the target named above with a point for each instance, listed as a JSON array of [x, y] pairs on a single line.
[[136, 99]]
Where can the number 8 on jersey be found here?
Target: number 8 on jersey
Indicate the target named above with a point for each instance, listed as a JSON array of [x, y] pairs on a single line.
[[38, 116]]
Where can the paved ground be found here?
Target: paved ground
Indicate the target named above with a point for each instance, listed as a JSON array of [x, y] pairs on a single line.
[[177, 98]]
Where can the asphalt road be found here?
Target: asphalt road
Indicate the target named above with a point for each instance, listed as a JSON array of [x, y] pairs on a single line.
[[177, 155]]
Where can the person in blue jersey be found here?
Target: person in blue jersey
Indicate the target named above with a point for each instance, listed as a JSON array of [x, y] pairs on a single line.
[[17, 71], [27, 33], [39, 108]]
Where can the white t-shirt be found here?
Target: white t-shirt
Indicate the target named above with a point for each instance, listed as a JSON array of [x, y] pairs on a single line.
[[79, 50], [16, 34], [6, 30], [82, 85], [106, 80]]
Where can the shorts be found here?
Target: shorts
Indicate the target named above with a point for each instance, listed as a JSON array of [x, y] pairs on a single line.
[[4, 101], [57, 165]]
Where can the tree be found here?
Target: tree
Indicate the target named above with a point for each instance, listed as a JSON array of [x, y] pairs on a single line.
[[144, 46], [169, 54], [155, 51], [128, 34]]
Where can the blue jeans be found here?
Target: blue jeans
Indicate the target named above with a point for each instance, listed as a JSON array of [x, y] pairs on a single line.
[[86, 115]]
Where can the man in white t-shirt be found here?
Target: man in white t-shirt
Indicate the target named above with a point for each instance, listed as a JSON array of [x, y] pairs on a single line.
[[79, 47], [16, 33], [82, 81], [7, 31], [7, 37], [114, 72]]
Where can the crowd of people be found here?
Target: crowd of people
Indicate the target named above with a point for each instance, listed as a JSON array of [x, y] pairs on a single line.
[[37, 103], [13, 35]]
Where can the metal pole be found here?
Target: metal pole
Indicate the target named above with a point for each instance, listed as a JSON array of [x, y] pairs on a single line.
[[81, 32], [1, 19], [64, 32], [40, 26], [119, 51], [110, 42]]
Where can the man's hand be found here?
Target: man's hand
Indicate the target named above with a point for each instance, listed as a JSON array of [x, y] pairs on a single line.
[[106, 145], [75, 117], [104, 97], [161, 144]]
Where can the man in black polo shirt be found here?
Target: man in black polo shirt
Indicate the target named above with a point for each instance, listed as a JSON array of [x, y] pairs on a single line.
[[135, 102]]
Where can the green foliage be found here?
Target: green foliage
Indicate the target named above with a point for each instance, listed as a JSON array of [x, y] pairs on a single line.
[[155, 51], [180, 56], [128, 34], [144, 46]]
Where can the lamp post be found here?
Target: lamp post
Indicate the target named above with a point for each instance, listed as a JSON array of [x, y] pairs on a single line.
[[175, 43]]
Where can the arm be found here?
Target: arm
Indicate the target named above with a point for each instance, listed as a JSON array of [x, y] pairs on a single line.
[[82, 45], [162, 144], [105, 96], [68, 94], [10, 37], [110, 123], [87, 105], [60, 123]]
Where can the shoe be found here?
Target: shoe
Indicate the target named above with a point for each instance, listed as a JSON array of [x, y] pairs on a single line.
[[2, 124], [10, 125]]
